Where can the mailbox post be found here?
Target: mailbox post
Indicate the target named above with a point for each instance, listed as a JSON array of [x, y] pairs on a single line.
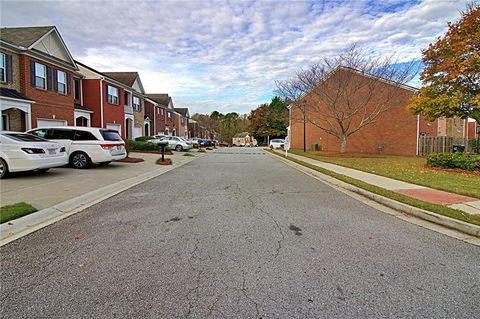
[[162, 145]]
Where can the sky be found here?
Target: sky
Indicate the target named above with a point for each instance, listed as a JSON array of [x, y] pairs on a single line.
[[226, 55]]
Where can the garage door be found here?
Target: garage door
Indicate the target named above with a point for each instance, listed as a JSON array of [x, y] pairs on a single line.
[[137, 131], [46, 123], [115, 127]]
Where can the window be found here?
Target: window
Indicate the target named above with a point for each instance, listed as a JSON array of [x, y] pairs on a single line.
[[76, 90], [112, 94], [61, 82], [40, 133], [40, 76], [136, 103], [169, 114], [60, 134], [22, 137], [111, 135], [3, 68], [84, 136]]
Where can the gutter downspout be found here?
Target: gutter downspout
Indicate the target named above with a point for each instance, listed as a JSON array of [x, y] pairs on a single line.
[[418, 135], [101, 102], [154, 120]]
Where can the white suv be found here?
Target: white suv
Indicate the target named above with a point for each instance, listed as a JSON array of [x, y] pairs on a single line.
[[85, 145]]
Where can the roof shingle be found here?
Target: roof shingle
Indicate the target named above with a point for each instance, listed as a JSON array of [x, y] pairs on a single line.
[[127, 78], [23, 36], [11, 93], [163, 99]]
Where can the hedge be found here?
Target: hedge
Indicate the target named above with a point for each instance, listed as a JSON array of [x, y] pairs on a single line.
[[469, 162], [144, 138], [143, 146]]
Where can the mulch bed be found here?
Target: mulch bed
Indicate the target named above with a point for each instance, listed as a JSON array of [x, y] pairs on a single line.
[[454, 170], [167, 161], [131, 160], [150, 152]]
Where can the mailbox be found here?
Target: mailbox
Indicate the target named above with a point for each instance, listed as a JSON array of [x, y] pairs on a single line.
[[162, 145]]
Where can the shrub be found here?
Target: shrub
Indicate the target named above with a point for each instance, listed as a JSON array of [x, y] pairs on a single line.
[[475, 145], [143, 138], [469, 162]]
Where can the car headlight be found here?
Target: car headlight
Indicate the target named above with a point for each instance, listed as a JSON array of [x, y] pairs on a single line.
[[33, 150]]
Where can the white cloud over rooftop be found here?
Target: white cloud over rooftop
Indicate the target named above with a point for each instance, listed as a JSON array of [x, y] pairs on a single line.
[[225, 55]]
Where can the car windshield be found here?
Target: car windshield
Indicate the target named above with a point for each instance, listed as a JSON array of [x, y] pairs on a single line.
[[24, 137], [111, 135]]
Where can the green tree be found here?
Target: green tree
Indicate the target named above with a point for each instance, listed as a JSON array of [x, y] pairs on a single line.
[[451, 78], [269, 119]]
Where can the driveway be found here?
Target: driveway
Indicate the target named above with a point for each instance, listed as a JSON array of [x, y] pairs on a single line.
[[237, 234], [61, 184]]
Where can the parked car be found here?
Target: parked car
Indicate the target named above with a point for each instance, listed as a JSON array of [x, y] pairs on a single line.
[[194, 141], [223, 144], [178, 143], [276, 143], [155, 139], [25, 152], [86, 145]]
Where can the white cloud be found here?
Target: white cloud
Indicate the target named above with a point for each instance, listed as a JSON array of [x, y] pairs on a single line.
[[225, 55]]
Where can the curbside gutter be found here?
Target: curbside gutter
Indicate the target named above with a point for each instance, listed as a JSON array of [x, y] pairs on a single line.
[[25, 225], [458, 225]]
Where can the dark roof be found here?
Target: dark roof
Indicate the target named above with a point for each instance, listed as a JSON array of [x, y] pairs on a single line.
[[81, 107], [127, 78], [243, 134], [181, 110], [163, 98], [24, 36], [13, 94]]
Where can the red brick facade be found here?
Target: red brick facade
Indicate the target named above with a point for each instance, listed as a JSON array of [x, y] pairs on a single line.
[[112, 113], [49, 104], [393, 132]]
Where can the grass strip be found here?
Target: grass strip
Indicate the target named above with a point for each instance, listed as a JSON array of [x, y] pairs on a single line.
[[14, 211], [189, 154], [435, 208]]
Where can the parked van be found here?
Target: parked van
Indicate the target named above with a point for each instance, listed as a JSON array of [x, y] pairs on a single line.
[[85, 145]]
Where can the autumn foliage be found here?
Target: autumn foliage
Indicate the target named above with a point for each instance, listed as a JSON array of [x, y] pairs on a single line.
[[451, 78]]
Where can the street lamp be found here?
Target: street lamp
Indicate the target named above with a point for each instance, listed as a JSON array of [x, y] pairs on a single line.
[[304, 126]]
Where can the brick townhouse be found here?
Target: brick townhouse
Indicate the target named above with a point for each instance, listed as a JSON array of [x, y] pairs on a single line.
[[181, 116], [104, 96], [165, 121], [394, 132], [37, 80], [134, 100]]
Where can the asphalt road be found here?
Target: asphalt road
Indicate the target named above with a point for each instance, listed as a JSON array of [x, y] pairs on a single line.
[[237, 234]]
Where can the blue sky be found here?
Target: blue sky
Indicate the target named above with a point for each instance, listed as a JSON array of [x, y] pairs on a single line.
[[226, 55]]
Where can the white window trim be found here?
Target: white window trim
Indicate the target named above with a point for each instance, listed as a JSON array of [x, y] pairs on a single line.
[[64, 83], [4, 67], [111, 96], [136, 106], [44, 78]]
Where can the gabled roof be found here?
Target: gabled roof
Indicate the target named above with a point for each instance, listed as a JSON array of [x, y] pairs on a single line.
[[127, 78], [24, 36], [182, 110], [163, 98], [45, 40], [13, 94], [243, 134]]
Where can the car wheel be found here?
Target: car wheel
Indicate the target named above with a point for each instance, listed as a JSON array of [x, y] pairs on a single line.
[[3, 169], [80, 160], [178, 148]]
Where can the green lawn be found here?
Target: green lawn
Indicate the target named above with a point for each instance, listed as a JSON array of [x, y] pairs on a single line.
[[13, 211], [408, 169], [439, 209]]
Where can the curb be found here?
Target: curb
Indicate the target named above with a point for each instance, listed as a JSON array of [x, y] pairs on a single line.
[[30, 223], [466, 228]]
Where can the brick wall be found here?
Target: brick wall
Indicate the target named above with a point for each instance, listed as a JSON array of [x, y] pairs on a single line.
[[15, 84], [393, 132], [16, 120], [91, 100], [114, 113], [48, 104]]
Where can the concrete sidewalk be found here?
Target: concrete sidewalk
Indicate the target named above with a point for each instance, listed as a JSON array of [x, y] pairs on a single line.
[[467, 204], [68, 191]]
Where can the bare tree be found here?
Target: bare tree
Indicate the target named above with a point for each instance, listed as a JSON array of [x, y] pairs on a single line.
[[342, 95]]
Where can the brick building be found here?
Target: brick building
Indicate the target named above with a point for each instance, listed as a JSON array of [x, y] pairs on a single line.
[[164, 119], [37, 78], [181, 121], [394, 131]]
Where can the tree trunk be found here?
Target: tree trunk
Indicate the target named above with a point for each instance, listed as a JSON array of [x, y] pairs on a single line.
[[343, 144]]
